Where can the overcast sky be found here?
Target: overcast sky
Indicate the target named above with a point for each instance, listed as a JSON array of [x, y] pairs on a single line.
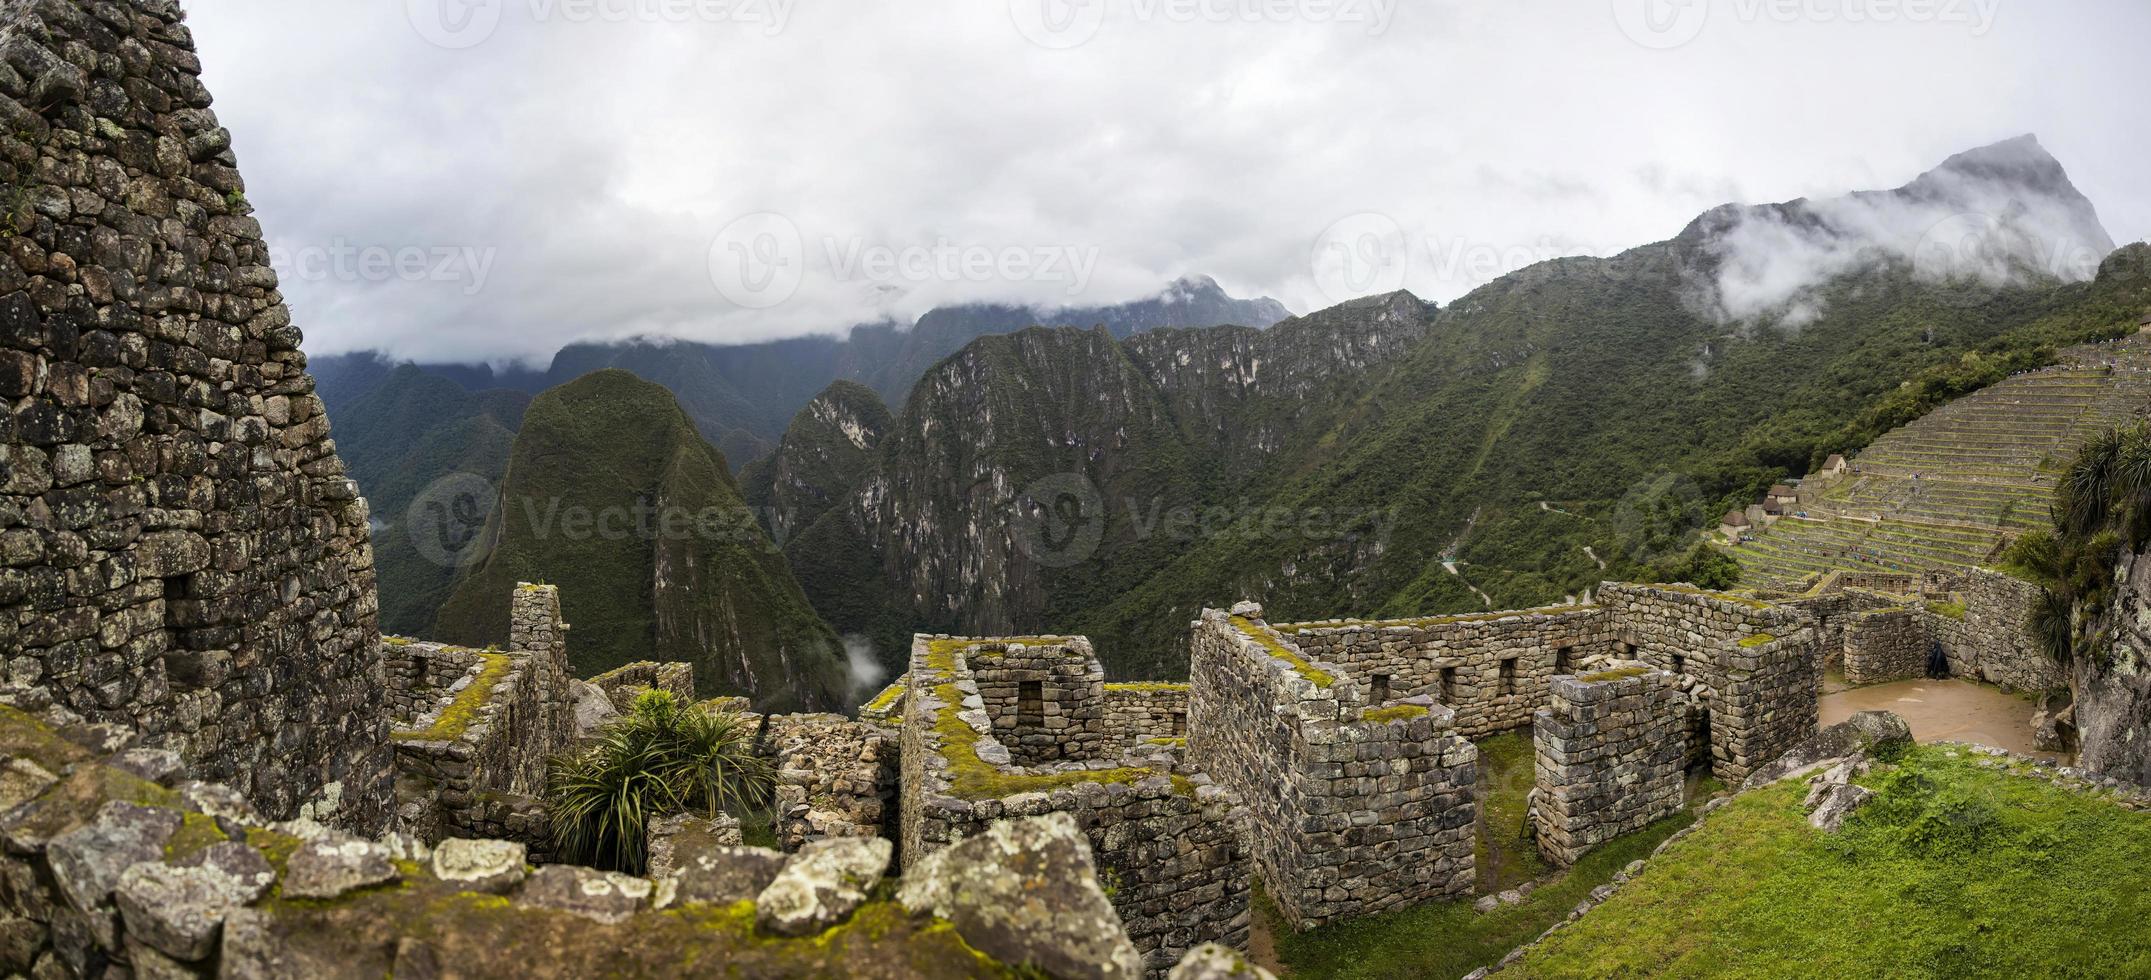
[[491, 179]]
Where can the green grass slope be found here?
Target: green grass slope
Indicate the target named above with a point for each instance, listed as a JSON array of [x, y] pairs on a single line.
[[1955, 870], [612, 495]]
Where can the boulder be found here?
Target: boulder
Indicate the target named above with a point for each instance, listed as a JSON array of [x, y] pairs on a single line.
[[677, 838], [606, 896], [593, 708], [724, 875], [1880, 734], [87, 862], [494, 866], [1211, 961], [1026, 891], [179, 910], [822, 885], [330, 867], [1837, 803]]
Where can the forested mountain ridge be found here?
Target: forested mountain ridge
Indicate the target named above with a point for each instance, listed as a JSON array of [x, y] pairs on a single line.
[[1575, 421]]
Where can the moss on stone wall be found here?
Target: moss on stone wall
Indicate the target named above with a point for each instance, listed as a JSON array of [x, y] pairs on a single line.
[[1394, 713], [456, 718], [1247, 628]]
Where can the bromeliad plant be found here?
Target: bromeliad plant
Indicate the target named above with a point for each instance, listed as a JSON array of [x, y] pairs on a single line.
[[2103, 508], [664, 757]]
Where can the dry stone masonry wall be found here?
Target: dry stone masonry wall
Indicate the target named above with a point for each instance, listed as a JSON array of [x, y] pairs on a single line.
[[1354, 811], [624, 684], [1886, 645], [1611, 757], [835, 777], [1171, 846], [473, 764], [1147, 714], [1493, 669], [180, 551], [1047, 701]]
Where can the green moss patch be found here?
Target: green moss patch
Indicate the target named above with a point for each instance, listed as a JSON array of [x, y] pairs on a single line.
[[455, 719], [1757, 640], [973, 778], [1952, 870], [1148, 687], [1947, 610], [1395, 712], [1247, 628], [887, 698]]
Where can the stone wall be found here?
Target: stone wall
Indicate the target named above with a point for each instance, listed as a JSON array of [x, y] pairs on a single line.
[[1832, 607], [1611, 754], [1761, 664], [835, 777], [474, 763], [1886, 645], [1355, 808], [1171, 847], [1146, 713], [886, 708], [422, 676], [1046, 700], [1493, 669], [120, 866], [180, 551], [624, 684], [1990, 637]]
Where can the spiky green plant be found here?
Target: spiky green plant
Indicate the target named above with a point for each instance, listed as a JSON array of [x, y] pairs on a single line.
[[2102, 509], [663, 757]]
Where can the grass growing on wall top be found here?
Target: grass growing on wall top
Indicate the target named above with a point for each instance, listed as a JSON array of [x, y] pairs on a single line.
[[1954, 870], [1319, 678], [455, 719]]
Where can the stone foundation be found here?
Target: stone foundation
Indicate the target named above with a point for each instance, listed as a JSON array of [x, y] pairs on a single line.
[[1611, 754]]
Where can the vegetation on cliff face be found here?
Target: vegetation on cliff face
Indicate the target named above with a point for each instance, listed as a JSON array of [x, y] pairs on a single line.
[[407, 431], [1575, 422], [613, 496], [824, 454]]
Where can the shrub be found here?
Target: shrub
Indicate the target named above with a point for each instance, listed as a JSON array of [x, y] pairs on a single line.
[[662, 758]]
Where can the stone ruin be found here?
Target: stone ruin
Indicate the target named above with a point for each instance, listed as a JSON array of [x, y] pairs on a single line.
[[1356, 805], [180, 551], [1610, 756], [1887, 627], [1020, 727]]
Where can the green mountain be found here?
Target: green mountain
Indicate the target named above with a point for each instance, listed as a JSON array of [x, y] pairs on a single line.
[[824, 453], [612, 495], [1576, 421], [405, 434]]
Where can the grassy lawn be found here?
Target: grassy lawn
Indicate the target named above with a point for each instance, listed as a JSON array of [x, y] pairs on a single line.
[[1506, 858], [1448, 940], [1953, 871]]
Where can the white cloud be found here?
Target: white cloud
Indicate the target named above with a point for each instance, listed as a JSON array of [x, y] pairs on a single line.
[[594, 164]]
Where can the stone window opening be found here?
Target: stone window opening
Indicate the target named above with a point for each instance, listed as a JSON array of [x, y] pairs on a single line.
[[1508, 675], [1564, 660], [1180, 724], [1680, 664], [1031, 704], [1448, 685], [1381, 690]]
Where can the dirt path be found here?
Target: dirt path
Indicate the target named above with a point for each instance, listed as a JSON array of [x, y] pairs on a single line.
[[1952, 710]]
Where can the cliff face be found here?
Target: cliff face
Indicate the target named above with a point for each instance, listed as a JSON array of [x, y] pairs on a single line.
[[180, 551], [822, 456], [2113, 687], [613, 496]]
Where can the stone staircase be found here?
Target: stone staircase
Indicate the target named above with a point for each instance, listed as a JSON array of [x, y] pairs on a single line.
[[1952, 489]]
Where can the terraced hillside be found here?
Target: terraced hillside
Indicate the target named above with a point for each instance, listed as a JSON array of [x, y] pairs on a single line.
[[1953, 488]]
